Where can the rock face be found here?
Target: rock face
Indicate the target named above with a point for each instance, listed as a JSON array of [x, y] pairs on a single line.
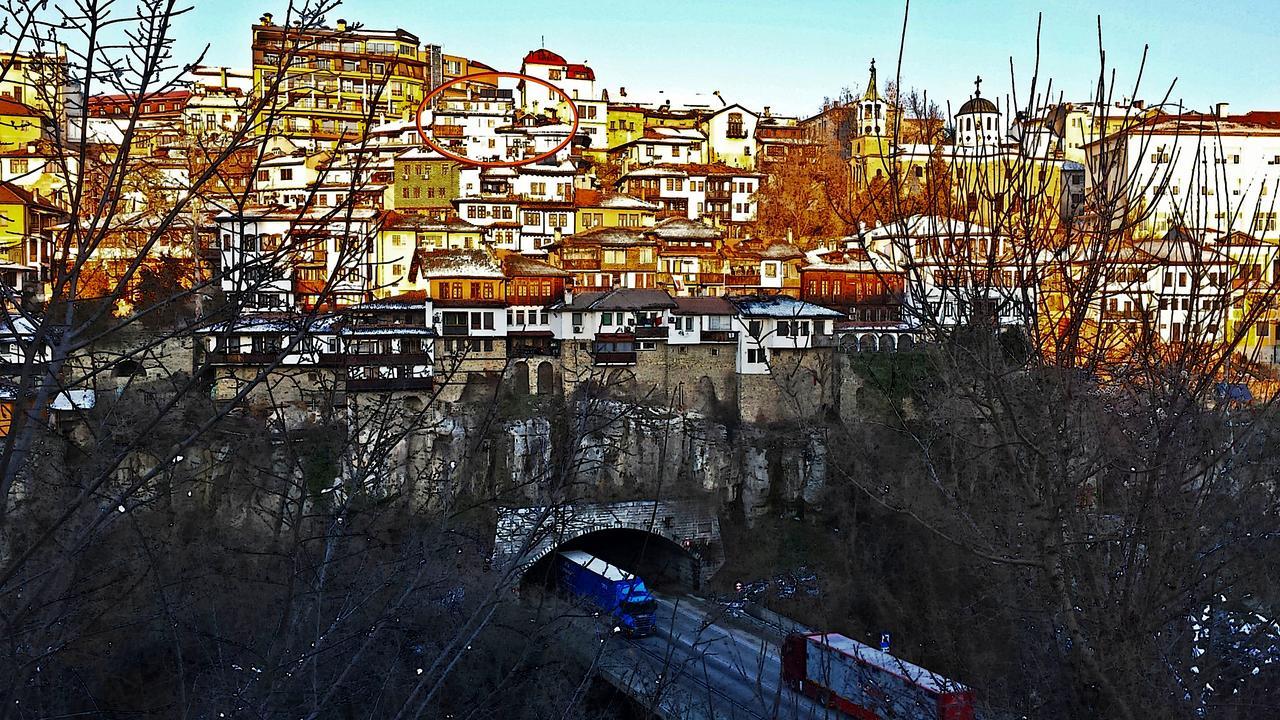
[[610, 451]]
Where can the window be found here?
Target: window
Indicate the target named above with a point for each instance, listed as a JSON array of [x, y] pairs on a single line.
[[532, 218], [286, 173], [615, 257], [756, 356]]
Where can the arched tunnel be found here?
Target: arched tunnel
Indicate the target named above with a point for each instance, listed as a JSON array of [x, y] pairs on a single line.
[[662, 563]]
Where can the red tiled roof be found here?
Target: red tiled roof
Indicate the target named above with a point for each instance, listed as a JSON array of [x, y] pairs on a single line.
[[12, 107], [543, 56], [577, 71]]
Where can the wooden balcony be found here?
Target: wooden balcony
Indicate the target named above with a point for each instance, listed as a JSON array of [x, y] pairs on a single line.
[[720, 336], [390, 384], [652, 332], [615, 358], [408, 358], [721, 194], [448, 131]]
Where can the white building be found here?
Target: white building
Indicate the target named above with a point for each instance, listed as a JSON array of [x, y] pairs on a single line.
[[1192, 171]]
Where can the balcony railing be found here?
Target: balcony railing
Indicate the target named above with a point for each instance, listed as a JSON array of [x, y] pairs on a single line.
[[527, 351], [390, 384], [407, 358], [652, 332], [455, 330], [719, 336], [615, 358], [748, 279], [448, 131], [719, 194]]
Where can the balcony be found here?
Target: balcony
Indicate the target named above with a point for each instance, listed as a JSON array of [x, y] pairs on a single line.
[[580, 264], [736, 132], [721, 194], [408, 358], [531, 351], [448, 131], [390, 384], [455, 330], [652, 332], [225, 358], [615, 358], [719, 336], [742, 279]]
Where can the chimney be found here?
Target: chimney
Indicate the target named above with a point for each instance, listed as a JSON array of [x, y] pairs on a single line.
[[555, 236], [341, 25], [568, 292], [1221, 109], [622, 91], [265, 19], [766, 111]]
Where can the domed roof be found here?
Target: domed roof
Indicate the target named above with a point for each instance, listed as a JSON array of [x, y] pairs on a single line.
[[977, 104]]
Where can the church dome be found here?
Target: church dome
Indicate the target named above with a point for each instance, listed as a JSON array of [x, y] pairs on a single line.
[[977, 104]]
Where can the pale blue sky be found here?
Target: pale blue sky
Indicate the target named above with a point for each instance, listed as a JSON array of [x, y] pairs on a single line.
[[790, 53]]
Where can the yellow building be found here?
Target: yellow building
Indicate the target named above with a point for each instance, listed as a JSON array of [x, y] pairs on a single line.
[[20, 126], [402, 236], [979, 176], [597, 208], [626, 123], [25, 238], [39, 81], [337, 79]]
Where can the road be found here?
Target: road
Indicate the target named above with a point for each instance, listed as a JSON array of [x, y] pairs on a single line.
[[707, 668]]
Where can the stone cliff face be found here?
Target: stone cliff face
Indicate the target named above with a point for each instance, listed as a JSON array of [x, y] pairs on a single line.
[[615, 451]]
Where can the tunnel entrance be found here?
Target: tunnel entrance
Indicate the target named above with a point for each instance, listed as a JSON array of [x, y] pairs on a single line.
[[663, 565]]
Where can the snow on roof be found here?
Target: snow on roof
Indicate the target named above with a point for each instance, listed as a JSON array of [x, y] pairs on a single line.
[[781, 251], [926, 226], [596, 565], [418, 153], [413, 300], [606, 236], [274, 323], [682, 228], [657, 171], [611, 200], [458, 263], [622, 299], [386, 330], [516, 264], [874, 656], [780, 306], [703, 306], [74, 400]]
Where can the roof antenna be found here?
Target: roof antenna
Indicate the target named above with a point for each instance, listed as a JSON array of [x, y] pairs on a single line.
[[544, 40]]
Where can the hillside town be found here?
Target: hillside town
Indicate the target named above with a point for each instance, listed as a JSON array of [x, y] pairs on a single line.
[[357, 370], [571, 225]]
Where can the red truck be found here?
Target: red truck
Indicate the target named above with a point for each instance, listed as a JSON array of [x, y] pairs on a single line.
[[866, 683]]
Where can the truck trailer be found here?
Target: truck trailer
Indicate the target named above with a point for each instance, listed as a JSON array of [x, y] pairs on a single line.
[[867, 683], [608, 588]]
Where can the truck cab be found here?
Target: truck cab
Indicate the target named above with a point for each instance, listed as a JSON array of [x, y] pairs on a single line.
[[608, 588]]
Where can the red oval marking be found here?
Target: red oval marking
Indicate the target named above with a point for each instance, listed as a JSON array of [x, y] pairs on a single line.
[[431, 143]]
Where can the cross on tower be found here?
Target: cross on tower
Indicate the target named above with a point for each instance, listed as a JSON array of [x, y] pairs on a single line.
[[873, 64], [977, 86]]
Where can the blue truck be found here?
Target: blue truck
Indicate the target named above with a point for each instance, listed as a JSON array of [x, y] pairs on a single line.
[[609, 588]]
